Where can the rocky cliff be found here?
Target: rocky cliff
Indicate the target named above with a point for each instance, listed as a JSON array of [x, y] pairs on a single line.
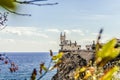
[[70, 61]]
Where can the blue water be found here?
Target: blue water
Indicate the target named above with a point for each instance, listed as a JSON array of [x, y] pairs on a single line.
[[26, 63]]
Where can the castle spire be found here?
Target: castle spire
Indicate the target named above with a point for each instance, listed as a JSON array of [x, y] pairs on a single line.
[[64, 34], [75, 43], [70, 42], [61, 34], [93, 45]]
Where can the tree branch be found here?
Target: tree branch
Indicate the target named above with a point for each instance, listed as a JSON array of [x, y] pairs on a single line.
[[33, 2], [49, 65], [28, 1]]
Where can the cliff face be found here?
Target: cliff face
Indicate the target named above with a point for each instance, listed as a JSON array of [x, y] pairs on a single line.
[[70, 61]]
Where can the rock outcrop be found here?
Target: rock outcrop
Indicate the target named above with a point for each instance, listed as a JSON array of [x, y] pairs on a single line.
[[70, 61]]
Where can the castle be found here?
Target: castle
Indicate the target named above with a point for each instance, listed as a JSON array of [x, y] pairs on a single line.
[[68, 46]]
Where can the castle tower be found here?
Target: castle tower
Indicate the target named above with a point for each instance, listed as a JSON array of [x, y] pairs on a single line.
[[75, 43], [70, 42], [62, 37], [62, 40]]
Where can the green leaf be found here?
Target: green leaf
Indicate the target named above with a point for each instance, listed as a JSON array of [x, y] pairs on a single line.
[[7, 4]]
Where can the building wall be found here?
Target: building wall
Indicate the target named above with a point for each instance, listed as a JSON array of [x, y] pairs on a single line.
[[72, 47]]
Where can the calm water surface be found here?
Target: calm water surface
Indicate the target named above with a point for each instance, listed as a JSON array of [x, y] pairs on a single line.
[[26, 63]]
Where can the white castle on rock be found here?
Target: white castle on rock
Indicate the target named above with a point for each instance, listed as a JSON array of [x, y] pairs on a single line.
[[67, 45]]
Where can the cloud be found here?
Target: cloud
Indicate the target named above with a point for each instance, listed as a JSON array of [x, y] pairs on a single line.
[[35, 38], [94, 34], [93, 17], [67, 31], [87, 31], [24, 31], [53, 30], [52, 42], [7, 40], [78, 31]]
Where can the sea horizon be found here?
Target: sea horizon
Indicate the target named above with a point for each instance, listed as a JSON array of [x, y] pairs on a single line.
[[28, 52]]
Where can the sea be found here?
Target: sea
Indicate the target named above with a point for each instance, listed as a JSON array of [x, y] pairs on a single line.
[[26, 62]]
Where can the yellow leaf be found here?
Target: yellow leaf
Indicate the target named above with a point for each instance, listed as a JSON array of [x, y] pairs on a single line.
[[54, 58], [7, 4], [44, 68], [76, 76], [56, 64], [77, 73], [87, 75], [108, 52], [82, 69], [115, 52], [107, 48], [58, 56], [109, 74]]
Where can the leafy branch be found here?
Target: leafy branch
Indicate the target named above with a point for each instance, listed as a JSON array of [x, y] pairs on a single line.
[[44, 70], [3, 19], [10, 5]]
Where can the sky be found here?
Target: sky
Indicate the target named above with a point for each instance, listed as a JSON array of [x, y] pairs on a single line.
[[80, 19]]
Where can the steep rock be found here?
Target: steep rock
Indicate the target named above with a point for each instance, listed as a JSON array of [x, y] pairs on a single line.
[[70, 61]]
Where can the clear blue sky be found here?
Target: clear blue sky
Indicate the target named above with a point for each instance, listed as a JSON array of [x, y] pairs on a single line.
[[80, 19]]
